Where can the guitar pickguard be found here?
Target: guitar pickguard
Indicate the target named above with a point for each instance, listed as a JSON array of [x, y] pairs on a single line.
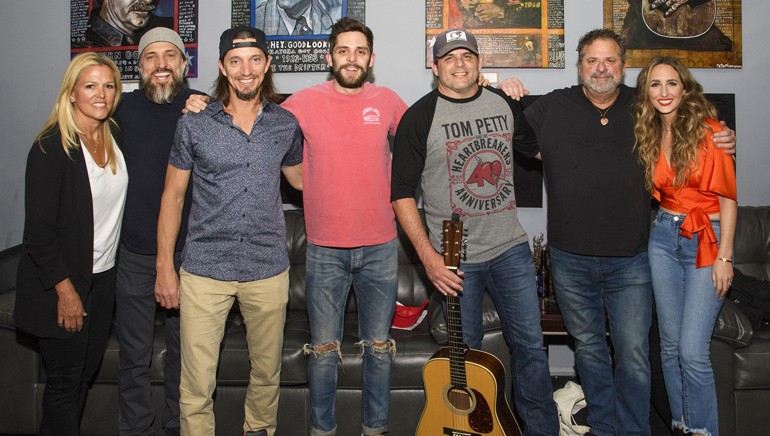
[[481, 417]]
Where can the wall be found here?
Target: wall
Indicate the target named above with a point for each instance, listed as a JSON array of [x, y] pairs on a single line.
[[34, 48]]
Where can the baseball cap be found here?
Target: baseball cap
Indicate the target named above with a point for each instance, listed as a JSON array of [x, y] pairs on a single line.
[[161, 34], [452, 39], [405, 317], [226, 40]]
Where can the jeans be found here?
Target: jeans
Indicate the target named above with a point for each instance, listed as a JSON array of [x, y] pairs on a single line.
[[510, 280], [135, 314], [71, 364], [687, 308], [373, 272], [586, 287]]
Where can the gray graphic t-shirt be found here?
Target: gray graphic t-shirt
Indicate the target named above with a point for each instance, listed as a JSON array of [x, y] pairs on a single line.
[[469, 170]]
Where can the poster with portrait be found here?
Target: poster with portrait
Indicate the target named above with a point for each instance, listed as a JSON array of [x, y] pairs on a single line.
[[510, 33], [297, 30], [703, 33], [115, 27]]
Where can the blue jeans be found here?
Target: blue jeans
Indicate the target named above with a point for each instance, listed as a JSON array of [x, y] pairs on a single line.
[[687, 308], [510, 280], [373, 272], [586, 287]]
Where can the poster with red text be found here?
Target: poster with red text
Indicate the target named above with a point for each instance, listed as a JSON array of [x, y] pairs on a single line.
[[114, 27]]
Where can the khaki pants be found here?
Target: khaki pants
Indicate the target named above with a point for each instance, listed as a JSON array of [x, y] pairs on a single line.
[[204, 306]]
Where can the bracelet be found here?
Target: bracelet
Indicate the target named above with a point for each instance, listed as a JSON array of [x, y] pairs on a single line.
[[723, 259]]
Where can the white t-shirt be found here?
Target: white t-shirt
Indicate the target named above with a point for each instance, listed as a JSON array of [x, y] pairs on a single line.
[[108, 192]]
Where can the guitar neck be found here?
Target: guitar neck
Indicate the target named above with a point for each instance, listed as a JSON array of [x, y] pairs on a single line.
[[452, 246], [456, 345]]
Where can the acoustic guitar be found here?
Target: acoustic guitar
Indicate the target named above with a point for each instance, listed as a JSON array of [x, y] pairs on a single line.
[[464, 388], [690, 20]]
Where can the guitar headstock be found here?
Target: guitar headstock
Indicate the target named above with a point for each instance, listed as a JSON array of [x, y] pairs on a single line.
[[453, 241]]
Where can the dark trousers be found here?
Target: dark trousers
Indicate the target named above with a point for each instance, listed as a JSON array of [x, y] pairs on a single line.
[[71, 363], [135, 314]]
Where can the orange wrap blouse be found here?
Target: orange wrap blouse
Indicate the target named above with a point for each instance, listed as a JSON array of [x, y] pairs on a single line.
[[713, 176]]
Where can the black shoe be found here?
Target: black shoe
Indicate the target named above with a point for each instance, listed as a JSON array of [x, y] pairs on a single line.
[[256, 433]]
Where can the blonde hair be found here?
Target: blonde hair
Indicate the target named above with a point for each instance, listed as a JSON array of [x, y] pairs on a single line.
[[62, 113], [687, 131]]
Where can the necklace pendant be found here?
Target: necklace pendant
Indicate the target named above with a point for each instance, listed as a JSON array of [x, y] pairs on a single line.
[[604, 121]]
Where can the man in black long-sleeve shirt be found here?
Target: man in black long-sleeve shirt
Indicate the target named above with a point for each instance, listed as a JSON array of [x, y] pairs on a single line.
[[147, 119]]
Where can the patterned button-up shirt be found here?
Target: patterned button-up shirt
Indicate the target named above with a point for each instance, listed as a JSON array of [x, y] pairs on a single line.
[[236, 229]]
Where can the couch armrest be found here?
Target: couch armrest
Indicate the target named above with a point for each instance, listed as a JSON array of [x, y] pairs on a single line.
[[9, 262], [733, 327], [489, 317]]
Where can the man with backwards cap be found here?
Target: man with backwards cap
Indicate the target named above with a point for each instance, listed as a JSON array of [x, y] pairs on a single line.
[[147, 119], [233, 153], [351, 232], [457, 144]]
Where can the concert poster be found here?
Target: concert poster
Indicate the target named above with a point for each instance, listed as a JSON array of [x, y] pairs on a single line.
[[703, 33], [114, 27], [510, 33], [297, 41]]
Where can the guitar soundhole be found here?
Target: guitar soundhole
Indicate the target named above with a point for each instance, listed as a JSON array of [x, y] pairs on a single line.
[[461, 400], [471, 403]]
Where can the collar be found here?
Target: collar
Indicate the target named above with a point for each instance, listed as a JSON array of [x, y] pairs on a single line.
[[217, 106], [460, 100]]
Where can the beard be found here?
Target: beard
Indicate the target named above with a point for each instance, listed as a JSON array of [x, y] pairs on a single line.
[[350, 82], [603, 86], [246, 95], [162, 93]]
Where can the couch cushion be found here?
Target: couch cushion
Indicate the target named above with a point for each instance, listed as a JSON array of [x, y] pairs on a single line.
[[413, 348], [732, 326], [490, 320], [751, 365], [752, 241]]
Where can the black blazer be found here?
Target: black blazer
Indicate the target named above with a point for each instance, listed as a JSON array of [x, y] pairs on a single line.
[[58, 235]]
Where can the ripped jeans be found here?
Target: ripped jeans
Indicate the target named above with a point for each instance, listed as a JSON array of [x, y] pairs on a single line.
[[373, 272], [687, 307]]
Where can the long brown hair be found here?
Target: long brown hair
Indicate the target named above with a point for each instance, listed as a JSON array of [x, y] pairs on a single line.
[[221, 89], [687, 131], [62, 115]]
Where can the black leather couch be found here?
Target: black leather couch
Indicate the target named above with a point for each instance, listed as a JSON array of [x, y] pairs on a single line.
[[740, 355], [22, 377]]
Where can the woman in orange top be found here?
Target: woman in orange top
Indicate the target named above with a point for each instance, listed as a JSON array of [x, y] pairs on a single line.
[[691, 240]]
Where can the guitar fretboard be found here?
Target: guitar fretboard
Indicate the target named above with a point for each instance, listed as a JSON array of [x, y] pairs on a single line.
[[456, 345]]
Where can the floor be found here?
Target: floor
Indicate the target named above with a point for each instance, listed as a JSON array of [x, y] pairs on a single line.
[[657, 426]]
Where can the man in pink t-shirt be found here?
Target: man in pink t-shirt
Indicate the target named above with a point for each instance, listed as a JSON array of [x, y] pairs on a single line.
[[350, 224], [351, 229]]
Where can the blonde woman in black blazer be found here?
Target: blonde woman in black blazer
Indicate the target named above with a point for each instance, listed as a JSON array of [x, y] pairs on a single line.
[[75, 190]]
